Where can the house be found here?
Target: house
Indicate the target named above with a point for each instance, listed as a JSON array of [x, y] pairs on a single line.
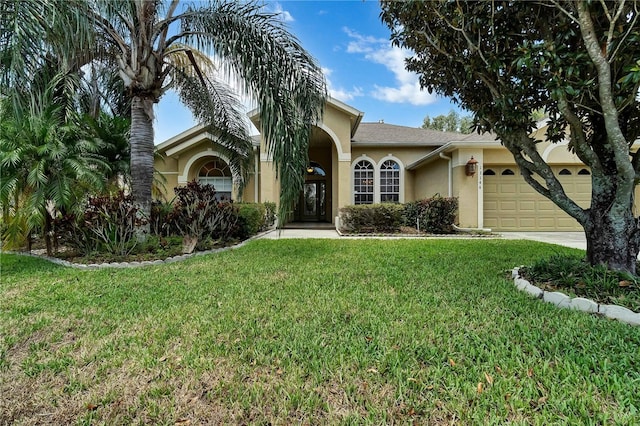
[[355, 162]]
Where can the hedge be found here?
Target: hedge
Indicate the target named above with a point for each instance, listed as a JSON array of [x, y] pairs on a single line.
[[434, 215]]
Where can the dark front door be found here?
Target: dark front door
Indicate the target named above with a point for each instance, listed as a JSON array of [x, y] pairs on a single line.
[[312, 205]]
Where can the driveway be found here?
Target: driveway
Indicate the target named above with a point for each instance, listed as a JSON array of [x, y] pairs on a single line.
[[567, 239]]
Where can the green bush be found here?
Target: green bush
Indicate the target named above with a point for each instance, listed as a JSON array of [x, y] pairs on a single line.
[[435, 215], [108, 225], [269, 214], [199, 215], [251, 218], [372, 218]]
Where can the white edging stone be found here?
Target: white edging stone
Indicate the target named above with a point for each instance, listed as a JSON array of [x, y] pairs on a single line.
[[585, 305], [561, 300], [621, 314], [94, 266]]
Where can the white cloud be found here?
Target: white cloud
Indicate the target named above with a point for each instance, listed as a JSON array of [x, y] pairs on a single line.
[[284, 14], [380, 51], [340, 93]]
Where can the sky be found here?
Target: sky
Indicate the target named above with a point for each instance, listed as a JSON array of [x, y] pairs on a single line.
[[362, 69]]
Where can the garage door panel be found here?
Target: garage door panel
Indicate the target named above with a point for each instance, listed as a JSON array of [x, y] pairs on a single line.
[[510, 204], [527, 205], [527, 222], [546, 222], [509, 188]]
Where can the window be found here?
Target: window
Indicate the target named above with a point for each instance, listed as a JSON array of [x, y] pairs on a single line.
[[315, 169], [363, 183], [565, 172], [218, 174], [389, 182], [508, 172], [489, 172], [584, 172]]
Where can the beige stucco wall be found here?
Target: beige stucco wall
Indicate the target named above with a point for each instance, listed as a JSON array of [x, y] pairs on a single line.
[[431, 180], [468, 189], [403, 155], [173, 169]]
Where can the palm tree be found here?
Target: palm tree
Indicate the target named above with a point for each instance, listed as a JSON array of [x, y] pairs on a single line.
[[47, 165], [160, 45]]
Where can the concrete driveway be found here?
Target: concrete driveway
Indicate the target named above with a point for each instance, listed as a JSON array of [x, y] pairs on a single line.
[[567, 239]]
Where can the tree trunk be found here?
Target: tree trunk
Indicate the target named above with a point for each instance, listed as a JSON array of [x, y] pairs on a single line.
[[47, 233], [142, 147], [613, 240]]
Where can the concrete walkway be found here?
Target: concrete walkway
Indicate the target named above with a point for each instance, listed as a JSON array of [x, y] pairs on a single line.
[[568, 239]]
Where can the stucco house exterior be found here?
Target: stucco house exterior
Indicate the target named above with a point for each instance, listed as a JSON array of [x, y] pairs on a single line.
[[355, 162]]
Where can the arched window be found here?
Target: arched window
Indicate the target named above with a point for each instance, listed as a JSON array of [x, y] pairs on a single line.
[[565, 172], [584, 172], [218, 174], [507, 172], [489, 172], [389, 182], [363, 182]]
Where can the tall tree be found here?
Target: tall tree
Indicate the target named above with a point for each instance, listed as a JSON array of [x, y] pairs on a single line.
[[159, 45], [452, 122], [577, 60], [48, 163]]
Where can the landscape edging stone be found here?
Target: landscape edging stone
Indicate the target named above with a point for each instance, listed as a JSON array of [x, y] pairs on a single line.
[[135, 264], [563, 301]]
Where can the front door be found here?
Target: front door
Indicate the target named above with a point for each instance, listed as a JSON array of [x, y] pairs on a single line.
[[312, 204]]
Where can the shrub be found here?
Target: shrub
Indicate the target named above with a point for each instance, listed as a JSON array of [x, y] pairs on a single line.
[[198, 215], [269, 214], [372, 218], [251, 219], [161, 222], [108, 224], [435, 215]]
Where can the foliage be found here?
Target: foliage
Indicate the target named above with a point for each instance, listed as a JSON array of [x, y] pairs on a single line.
[[153, 45], [251, 218], [371, 218], [451, 122], [435, 215], [162, 216], [269, 214], [49, 161], [199, 215], [576, 60], [309, 331], [108, 224], [574, 275]]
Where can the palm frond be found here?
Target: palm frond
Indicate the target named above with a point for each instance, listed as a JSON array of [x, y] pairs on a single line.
[[273, 68]]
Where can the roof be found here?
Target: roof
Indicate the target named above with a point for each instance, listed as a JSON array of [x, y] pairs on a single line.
[[355, 115], [391, 134]]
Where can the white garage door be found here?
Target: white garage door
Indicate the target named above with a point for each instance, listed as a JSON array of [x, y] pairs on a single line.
[[510, 204]]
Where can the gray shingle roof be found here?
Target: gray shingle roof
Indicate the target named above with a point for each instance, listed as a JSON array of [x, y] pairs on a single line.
[[382, 133]]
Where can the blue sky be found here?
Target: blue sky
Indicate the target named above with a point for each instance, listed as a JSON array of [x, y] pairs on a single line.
[[361, 67]]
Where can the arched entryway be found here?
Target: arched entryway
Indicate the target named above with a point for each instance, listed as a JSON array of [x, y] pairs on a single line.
[[312, 205]]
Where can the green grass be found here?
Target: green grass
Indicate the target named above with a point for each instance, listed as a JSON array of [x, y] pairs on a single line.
[[311, 332]]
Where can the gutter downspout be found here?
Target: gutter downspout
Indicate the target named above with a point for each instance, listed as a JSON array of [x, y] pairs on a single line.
[[450, 177]]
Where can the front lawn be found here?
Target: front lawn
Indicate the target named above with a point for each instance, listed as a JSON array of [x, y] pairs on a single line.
[[311, 332]]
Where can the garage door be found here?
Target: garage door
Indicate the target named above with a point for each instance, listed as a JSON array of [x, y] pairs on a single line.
[[510, 204]]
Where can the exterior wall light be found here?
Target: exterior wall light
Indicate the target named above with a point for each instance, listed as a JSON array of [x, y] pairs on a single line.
[[471, 167], [310, 170]]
